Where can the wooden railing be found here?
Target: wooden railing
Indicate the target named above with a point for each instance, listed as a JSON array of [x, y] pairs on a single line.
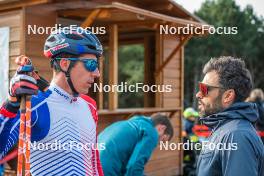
[[140, 111]]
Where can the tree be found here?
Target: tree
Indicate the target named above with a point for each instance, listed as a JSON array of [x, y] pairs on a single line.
[[131, 70], [246, 44]]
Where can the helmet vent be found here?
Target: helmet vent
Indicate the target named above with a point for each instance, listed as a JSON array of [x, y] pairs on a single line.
[[91, 47], [74, 37], [51, 39]]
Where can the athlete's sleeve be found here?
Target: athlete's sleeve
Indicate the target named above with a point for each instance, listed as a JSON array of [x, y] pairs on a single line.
[[9, 127], [93, 108], [9, 109], [10, 121], [99, 165], [8, 134]]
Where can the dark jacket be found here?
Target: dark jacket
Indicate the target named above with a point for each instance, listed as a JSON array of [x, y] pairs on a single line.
[[128, 146], [188, 126], [260, 122], [236, 149]]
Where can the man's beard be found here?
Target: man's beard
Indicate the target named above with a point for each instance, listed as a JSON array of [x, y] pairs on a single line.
[[214, 108]]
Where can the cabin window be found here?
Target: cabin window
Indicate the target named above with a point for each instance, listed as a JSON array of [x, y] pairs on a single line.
[[131, 73]]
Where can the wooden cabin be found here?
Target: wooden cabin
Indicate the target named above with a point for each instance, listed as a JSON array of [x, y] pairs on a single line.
[[117, 23]]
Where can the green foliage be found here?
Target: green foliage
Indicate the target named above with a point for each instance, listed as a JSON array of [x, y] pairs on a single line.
[[131, 70], [246, 44], [131, 61]]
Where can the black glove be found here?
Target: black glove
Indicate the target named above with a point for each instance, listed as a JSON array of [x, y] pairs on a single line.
[[41, 82]]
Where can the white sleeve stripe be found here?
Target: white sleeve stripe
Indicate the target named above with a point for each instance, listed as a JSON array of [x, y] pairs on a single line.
[[38, 105], [14, 126], [36, 119], [3, 124], [92, 105]]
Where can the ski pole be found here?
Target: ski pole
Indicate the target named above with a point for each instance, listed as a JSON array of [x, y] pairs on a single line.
[[23, 165], [24, 137]]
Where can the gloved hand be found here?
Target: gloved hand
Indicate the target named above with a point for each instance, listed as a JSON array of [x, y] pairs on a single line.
[[26, 81], [22, 83], [41, 82]]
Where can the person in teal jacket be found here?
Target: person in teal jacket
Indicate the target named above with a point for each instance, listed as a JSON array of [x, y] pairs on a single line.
[[130, 143]]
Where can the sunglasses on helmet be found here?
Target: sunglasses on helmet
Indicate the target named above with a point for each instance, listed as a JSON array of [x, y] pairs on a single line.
[[205, 88], [90, 64]]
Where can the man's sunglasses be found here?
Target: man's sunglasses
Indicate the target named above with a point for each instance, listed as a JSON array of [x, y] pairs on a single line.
[[205, 88], [90, 64]]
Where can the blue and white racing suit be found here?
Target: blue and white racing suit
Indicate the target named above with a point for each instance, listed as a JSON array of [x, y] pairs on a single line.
[[63, 140]]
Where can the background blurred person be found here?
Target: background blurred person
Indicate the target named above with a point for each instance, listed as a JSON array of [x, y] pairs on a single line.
[[130, 143], [257, 96]]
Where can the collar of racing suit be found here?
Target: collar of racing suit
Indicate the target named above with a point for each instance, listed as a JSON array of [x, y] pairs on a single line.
[[62, 93]]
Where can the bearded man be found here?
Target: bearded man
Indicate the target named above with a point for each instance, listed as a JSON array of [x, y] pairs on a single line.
[[234, 148]]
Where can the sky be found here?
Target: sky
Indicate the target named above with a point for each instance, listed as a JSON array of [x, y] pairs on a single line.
[[192, 5]]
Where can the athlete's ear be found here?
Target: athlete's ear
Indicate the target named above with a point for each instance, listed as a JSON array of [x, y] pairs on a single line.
[[228, 97], [64, 64], [161, 129]]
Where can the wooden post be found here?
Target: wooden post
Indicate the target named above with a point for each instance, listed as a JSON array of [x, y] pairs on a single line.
[[168, 59], [113, 65], [182, 102], [90, 19], [149, 69], [158, 62], [23, 33]]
